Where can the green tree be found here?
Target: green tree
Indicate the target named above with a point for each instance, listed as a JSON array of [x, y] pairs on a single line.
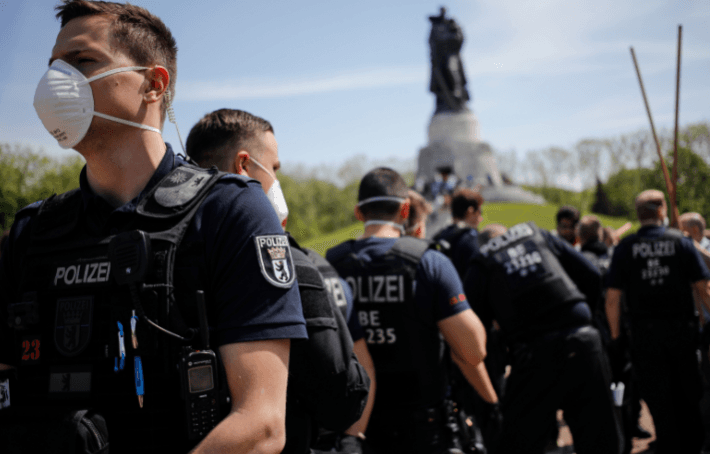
[[27, 176], [693, 178]]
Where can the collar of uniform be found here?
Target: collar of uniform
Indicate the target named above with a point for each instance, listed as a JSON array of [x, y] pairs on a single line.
[[651, 230], [100, 213]]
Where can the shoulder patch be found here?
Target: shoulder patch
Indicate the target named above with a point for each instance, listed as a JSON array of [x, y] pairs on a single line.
[[275, 259]]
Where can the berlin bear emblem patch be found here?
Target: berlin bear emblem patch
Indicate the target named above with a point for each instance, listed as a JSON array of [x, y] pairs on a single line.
[[275, 260]]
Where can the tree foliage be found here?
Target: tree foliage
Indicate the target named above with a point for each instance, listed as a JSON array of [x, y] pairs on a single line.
[[693, 177], [317, 207], [27, 176]]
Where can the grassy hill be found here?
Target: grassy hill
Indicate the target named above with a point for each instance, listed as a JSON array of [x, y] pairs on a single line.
[[507, 214]]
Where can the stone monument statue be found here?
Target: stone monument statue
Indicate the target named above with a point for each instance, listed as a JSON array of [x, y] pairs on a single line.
[[448, 80], [455, 155]]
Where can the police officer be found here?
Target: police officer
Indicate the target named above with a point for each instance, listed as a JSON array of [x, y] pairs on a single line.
[[327, 385], [590, 234], [406, 298], [693, 225], [459, 242], [460, 237], [535, 286], [658, 270], [115, 295], [567, 218]]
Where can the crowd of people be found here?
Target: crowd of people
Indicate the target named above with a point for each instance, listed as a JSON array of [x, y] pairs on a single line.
[[172, 278]]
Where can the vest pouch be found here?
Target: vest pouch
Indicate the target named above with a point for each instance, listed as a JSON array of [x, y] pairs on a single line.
[[54, 431]]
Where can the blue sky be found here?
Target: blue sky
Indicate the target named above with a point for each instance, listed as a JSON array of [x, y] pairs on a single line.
[[340, 79]]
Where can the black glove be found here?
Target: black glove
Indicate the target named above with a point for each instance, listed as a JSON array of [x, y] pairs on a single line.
[[350, 444], [491, 425]]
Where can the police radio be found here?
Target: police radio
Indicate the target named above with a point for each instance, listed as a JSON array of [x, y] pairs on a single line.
[[199, 381]]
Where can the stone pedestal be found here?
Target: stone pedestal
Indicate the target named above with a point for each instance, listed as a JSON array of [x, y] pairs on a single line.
[[455, 142]]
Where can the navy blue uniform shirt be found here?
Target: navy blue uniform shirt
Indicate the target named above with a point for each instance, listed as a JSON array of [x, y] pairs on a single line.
[[694, 268], [463, 249], [242, 304]]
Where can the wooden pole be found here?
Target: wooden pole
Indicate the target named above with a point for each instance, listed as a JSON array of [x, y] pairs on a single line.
[[674, 203], [666, 176]]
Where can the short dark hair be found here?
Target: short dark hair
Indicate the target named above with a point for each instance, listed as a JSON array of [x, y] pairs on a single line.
[[215, 139], [144, 37], [648, 203], [462, 200], [568, 212], [381, 181], [589, 228]]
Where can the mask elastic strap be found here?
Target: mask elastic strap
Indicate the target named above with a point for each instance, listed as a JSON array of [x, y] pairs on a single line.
[[263, 168], [129, 123], [381, 198], [114, 71], [379, 222]]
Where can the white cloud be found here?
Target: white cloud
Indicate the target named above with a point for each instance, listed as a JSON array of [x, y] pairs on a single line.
[[304, 85]]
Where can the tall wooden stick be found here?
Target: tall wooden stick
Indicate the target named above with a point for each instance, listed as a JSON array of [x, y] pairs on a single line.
[[666, 176], [674, 204]]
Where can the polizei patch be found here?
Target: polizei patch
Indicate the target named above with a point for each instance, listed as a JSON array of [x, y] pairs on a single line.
[[72, 326], [275, 260]]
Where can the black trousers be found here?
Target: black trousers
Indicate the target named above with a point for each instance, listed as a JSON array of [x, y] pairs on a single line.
[[665, 359], [567, 371]]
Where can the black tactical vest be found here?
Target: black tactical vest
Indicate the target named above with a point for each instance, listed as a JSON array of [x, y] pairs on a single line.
[[67, 323], [446, 240], [324, 390], [331, 278], [525, 279], [406, 347], [656, 288]]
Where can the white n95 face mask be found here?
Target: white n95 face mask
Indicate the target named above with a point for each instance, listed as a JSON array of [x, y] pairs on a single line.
[[65, 103], [275, 195]]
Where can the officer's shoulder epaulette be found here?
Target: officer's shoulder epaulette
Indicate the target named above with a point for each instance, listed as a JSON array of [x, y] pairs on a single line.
[[57, 215], [410, 248], [29, 210], [340, 251], [241, 180], [178, 191], [675, 233]]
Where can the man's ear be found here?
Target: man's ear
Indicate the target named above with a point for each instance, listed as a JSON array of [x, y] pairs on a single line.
[[404, 209], [159, 81], [358, 214], [240, 160]]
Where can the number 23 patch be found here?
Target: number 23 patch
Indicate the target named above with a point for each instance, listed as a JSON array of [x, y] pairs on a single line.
[[275, 260]]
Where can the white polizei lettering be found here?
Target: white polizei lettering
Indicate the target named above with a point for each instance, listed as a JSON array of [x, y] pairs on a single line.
[[79, 280], [360, 293], [70, 280], [392, 288], [104, 271], [92, 269], [514, 234], [86, 273], [271, 241], [353, 285], [656, 249], [60, 274], [377, 297]]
